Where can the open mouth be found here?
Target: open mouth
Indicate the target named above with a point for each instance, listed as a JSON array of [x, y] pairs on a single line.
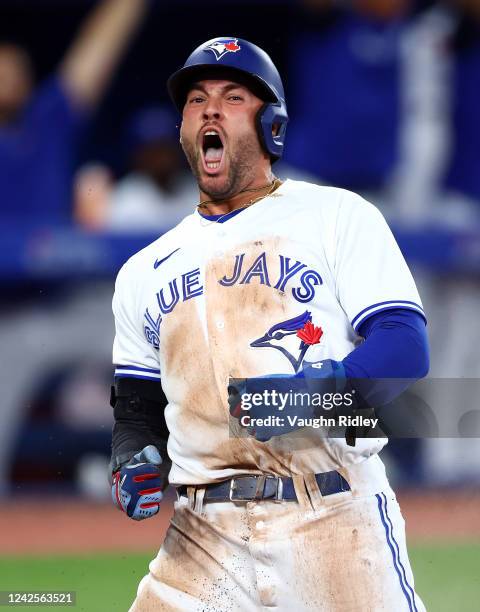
[[212, 148]]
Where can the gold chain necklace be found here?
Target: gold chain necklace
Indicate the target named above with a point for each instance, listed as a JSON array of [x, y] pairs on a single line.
[[273, 186]]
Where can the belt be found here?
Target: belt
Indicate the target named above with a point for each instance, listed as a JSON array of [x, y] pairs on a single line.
[[267, 486]]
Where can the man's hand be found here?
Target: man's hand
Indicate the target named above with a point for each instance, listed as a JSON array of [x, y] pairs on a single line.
[[137, 487], [281, 412]]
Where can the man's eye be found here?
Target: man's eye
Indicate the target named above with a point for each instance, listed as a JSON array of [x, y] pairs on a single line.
[[196, 100], [235, 98]]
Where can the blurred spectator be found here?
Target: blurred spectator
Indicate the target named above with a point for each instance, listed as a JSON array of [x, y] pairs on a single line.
[[39, 127], [344, 92], [438, 181], [93, 186], [158, 192], [439, 174], [463, 174]]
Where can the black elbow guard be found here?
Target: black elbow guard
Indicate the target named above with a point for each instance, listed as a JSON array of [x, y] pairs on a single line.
[[136, 400], [138, 408]]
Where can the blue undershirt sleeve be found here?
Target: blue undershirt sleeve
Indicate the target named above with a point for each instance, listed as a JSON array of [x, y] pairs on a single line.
[[395, 346]]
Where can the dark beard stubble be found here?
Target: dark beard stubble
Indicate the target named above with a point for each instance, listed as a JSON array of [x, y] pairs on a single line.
[[240, 169]]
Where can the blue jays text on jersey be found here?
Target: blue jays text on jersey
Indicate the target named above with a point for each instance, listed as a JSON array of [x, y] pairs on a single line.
[[188, 286]]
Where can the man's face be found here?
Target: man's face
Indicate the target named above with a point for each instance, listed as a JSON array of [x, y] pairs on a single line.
[[219, 136], [15, 80]]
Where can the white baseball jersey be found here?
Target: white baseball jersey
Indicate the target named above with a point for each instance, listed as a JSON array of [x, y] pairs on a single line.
[[210, 300]]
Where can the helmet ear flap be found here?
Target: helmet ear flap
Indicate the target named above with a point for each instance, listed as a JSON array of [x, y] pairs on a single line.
[[259, 127], [268, 116]]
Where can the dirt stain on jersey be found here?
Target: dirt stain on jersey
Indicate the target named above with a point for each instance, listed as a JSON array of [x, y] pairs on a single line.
[[198, 412], [237, 315]]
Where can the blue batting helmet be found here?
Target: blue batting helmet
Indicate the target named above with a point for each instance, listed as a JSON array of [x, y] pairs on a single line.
[[248, 64]]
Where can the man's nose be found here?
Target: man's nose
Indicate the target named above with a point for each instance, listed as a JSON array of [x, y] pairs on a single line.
[[212, 109]]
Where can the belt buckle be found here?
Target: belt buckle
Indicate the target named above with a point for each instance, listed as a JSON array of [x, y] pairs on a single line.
[[231, 492], [259, 489]]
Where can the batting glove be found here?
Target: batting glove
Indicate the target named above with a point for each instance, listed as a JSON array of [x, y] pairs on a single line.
[[265, 420], [137, 486], [328, 370]]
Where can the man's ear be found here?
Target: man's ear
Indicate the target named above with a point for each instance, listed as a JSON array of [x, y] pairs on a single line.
[[275, 129]]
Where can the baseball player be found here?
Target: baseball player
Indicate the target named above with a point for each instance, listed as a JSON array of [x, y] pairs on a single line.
[[264, 279]]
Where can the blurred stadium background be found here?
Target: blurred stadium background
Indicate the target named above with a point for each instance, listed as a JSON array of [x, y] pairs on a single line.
[[383, 100]]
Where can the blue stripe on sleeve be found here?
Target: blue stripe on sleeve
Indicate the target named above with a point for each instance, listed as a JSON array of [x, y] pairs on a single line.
[[129, 371], [139, 376], [364, 314], [136, 369]]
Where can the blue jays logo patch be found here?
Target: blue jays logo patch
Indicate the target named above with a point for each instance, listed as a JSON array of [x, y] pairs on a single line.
[[224, 46], [302, 327]]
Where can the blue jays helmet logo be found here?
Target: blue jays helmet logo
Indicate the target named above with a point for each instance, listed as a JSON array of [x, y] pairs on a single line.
[[221, 47], [302, 327]]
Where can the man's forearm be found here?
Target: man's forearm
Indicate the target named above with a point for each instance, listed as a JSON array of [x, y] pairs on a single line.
[[138, 408], [129, 437], [396, 346], [98, 47], [394, 355]]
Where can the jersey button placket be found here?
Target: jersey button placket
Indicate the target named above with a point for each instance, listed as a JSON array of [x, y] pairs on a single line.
[[220, 236]]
